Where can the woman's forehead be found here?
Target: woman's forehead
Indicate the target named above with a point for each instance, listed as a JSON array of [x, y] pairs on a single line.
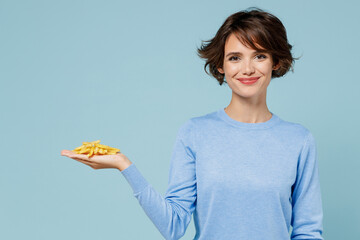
[[235, 39]]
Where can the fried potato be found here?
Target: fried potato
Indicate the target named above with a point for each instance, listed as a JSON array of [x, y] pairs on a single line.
[[95, 148]]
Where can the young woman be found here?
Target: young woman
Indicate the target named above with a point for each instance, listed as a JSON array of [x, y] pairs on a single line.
[[243, 172]]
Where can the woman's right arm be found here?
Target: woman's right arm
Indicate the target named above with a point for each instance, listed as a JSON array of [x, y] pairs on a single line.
[[172, 213]]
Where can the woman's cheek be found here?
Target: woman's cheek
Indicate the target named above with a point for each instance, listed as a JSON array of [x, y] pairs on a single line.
[[233, 69]]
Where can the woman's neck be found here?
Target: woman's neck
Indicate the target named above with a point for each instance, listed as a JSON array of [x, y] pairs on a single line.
[[248, 112]]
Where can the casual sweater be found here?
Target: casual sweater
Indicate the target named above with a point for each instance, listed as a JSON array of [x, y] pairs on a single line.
[[239, 180]]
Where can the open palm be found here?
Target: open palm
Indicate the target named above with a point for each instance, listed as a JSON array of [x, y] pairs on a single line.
[[118, 161]]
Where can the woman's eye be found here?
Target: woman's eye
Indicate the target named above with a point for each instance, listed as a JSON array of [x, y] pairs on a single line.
[[233, 58], [261, 56]]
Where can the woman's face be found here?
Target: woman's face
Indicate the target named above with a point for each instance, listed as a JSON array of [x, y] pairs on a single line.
[[241, 62]]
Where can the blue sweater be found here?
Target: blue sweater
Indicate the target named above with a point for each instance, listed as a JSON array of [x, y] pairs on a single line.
[[240, 180]]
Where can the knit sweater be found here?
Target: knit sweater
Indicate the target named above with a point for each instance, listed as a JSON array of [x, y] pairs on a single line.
[[238, 180]]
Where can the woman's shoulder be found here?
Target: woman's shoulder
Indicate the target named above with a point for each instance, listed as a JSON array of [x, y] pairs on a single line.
[[197, 122], [214, 117], [294, 129], [205, 118], [212, 120]]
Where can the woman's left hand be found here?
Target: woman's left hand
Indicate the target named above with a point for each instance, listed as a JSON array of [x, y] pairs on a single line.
[[118, 161]]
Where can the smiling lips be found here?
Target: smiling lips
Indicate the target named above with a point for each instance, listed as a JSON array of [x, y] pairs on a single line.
[[248, 80]]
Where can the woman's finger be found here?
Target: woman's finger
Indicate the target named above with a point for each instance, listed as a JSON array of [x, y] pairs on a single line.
[[85, 157], [67, 153], [72, 154], [78, 157], [81, 160], [95, 161], [85, 162]]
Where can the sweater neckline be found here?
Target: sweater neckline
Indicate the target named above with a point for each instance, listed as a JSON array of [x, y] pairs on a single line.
[[262, 125]]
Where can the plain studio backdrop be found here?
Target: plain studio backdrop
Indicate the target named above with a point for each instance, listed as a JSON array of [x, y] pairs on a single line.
[[127, 73]]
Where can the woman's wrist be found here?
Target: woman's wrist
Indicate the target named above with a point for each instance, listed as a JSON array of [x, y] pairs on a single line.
[[124, 164]]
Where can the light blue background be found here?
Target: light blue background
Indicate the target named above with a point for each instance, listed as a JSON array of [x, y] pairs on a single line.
[[127, 73]]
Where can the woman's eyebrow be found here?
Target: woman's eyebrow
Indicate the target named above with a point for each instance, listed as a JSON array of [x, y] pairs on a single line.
[[239, 53]]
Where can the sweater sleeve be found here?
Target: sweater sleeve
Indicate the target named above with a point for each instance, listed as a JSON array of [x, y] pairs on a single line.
[[307, 214], [172, 213]]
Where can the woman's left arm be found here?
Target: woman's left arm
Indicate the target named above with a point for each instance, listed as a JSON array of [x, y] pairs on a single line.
[[307, 217]]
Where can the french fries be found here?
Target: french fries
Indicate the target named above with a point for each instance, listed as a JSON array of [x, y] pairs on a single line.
[[95, 148]]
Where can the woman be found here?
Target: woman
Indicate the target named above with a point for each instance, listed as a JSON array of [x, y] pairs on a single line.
[[243, 171]]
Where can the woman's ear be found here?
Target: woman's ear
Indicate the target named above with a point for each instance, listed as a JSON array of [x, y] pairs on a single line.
[[276, 67], [220, 70]]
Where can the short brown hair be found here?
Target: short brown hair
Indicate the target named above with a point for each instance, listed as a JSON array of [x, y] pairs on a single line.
[[252, 25]]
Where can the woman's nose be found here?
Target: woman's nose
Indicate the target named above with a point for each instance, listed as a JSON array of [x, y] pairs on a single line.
[[247, 67]]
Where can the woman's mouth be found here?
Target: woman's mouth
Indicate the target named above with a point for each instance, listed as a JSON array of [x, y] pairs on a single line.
[[248, 81]]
